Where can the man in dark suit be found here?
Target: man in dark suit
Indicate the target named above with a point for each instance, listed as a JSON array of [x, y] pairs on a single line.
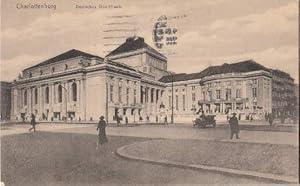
[[33, 123], [234, 126]]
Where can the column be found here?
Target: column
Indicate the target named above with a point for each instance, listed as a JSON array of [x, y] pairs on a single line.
[[64, 99], [83, 99], [28, 100], [78, 98]]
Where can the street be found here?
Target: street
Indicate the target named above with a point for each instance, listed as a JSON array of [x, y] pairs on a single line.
[[67, 155]]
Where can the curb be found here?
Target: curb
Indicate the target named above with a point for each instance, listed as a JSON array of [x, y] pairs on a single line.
[[250, 174]]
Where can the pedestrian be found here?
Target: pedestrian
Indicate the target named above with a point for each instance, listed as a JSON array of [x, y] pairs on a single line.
[[33, 123], [234, 126], [166, 120], [270, 119], [102, 134], [118, 120]]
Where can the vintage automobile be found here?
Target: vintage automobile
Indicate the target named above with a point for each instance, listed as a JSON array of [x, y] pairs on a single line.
[[205, 121]]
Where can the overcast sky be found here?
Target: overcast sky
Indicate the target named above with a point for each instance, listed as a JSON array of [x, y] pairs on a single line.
[[212, 32]]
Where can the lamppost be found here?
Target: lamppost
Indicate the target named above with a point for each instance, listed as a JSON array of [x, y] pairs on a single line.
[[172, 115], [106, 104]]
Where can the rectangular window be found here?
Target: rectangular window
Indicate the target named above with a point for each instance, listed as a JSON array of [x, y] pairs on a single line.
[[134, 96], [228, 94], [127, 96], [111, 93], [120, 94], [210, 95], [170, 101], [254, 92], [218, 94], [193, 96], [183, 102], [255, 81], [238, 93], [176, 102]]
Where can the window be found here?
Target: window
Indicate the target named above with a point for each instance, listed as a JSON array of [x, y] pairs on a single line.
[[142, 95], [59, 93], [134, 96], [228, 94], [255, 81], [41, 72], [218, 94], [254, 92], [176, 102], [152, 95], [30, 74], [193, 96], [183, 102], [120, 94], [210, 95], [36, 96], [203, 93], [74, 92], [53, 69], [238, 93], [111, 93], [25, 97], [170, 101], [193, 87], [47, 95], [127, 96], [66, 67]]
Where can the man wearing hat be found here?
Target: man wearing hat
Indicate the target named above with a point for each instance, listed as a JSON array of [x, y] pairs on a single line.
[[234, 126], [102, 134]]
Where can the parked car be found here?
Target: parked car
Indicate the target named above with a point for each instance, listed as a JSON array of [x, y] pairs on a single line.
[[205, 121]]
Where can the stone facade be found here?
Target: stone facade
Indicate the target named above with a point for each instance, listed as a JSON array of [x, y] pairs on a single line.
[[244, 93], [283, 96], [133, 83], [84, 87]]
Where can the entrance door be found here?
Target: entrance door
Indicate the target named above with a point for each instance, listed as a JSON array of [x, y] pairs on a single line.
[[116, 113]]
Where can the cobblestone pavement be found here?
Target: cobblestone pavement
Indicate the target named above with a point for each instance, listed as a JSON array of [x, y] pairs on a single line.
[[172, 131]]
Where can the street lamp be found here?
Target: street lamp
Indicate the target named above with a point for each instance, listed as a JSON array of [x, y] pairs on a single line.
[[172, 114]]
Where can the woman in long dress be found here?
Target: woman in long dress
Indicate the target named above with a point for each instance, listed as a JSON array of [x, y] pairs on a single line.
[[102, 134]]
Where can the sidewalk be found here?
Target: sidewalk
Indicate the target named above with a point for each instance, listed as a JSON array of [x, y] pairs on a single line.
[[250, 160], [172, 131]]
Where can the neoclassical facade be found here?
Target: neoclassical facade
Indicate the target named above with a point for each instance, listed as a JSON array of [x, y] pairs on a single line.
[[244, 88], [79, 86], [133, 83]]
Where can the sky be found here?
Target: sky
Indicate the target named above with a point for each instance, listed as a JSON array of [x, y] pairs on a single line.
[[209, 32]]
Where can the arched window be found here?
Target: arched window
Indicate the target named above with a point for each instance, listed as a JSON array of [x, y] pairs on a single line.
[[47, 94], [36, 96], [59, 93], [74, 92], [25, 97]]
